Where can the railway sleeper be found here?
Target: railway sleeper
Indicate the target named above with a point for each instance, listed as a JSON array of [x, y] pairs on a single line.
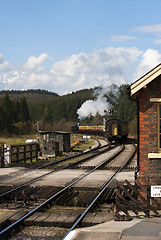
[[5, 188], [67, 199], [83, 197], [75, 198], [48, 191], [66, 219], [63, 198]]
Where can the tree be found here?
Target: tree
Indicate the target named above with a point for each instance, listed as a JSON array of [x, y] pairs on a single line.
[[23, 111], [14, 115], [121, 106], [7, 113], [126, 109]]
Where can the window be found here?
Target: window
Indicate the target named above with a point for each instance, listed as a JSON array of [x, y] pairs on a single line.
[[155, 155], [159, 127]]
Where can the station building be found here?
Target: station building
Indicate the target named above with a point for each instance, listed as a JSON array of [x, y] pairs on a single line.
[[146, 91]]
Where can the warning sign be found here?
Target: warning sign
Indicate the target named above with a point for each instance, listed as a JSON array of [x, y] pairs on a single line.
[[156, 191]]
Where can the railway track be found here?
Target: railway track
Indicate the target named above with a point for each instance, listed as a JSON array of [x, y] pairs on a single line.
[[54, 162], [115, 163], [54, 166], [123, 164], [67, 191], [18, 193]]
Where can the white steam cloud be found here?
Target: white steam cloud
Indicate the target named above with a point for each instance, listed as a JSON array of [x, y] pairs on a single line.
[[94, 107]]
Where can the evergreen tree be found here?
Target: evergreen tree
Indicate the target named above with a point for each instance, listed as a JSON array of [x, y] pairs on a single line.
[[7, 112], [24, 111], [12, 114], [123, 108]]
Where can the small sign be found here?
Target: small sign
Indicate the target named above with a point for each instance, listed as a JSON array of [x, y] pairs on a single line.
[[156, 191]]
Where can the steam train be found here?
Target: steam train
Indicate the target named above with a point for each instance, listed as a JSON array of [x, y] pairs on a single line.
[[112, 129], [89, 128], [116, 130]]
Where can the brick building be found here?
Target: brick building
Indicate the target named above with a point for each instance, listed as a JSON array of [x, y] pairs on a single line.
[[146, 91]]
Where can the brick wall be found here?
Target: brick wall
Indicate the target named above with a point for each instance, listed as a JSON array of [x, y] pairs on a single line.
[[148, 129]]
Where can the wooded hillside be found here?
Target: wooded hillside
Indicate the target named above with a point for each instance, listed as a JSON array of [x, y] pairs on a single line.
[[21, 110], [30, 95]]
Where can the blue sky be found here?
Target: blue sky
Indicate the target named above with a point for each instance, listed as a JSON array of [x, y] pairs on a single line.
[[67, 45]]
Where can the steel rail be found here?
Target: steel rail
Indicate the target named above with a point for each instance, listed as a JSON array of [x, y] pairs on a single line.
[[74, 156], [60, 160], [100, 193], [10, 227], [55, 170]]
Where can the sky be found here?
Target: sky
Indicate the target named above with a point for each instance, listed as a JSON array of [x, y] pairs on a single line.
[[67, 45]]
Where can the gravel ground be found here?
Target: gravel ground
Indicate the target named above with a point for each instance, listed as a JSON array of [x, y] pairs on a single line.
[[46, 233]]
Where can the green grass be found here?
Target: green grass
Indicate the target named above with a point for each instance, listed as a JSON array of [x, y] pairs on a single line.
[[84, 146], [16, 140]]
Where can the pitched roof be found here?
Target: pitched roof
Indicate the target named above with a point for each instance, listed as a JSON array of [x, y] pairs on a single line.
[[147, 78]]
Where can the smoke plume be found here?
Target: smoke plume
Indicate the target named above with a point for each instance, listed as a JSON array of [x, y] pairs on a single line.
[[93, 107]]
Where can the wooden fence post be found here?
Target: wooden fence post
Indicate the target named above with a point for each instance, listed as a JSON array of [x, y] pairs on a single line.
[[31, 147], [148, 198], [117, 203], [37, 146], [2, 155], [25, 153], [17, 155]]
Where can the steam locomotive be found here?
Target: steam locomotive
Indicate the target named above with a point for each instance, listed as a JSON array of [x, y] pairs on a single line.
[[112, 129]]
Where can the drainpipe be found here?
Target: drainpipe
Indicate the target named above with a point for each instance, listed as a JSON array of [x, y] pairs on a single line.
[[138, 138]]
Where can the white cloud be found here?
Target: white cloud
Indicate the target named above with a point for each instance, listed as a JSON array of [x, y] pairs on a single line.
[[4, 65], [155, 28], [98, 68], [154, 32], [101, 67], [122, 38], [35, 62], [150, 59], [157, 41]]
